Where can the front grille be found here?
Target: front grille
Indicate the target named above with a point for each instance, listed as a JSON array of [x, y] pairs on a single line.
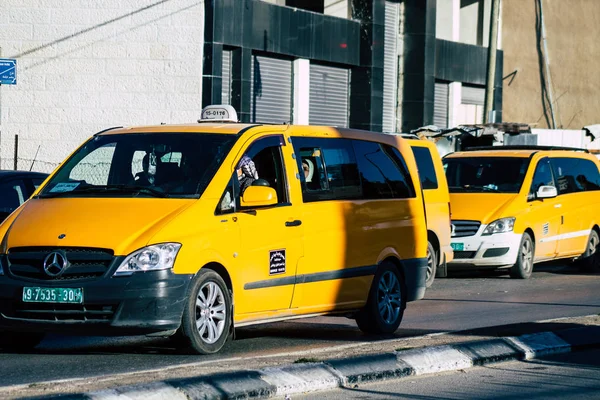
[[61, 312], [464, 228], [83, 263], [462, 255]]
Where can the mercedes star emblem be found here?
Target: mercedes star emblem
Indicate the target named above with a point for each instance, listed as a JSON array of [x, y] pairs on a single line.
[[55, 263]]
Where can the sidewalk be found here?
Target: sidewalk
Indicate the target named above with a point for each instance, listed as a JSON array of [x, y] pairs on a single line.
[[364, 363]]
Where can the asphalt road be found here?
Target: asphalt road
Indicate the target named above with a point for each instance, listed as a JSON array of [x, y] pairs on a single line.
[[465, 301], [566, 377]]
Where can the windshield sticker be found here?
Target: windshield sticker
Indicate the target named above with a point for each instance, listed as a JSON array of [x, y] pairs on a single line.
[[277, 262], [64, 187]]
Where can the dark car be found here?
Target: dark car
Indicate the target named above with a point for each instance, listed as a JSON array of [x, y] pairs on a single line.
[[15, 188]]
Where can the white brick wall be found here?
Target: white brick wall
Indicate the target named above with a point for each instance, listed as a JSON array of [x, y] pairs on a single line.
[[86, 65]]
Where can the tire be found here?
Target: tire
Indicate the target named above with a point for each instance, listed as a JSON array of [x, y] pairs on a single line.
[[386, 302], [590, 259], [524, 265], [20, 341], [207, 316], [432, 262]]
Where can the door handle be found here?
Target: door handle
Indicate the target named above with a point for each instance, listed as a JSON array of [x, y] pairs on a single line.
[[296, 222]]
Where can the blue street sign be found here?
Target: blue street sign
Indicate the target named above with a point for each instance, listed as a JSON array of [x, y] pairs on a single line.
[[8, 71]]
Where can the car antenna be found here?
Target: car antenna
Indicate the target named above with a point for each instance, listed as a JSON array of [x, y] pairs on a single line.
[[35, 157]]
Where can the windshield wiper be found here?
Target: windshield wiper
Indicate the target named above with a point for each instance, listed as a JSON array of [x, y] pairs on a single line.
[[109, 189]]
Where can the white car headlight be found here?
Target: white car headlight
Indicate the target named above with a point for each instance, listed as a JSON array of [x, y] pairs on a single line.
[[500, 226], [150, 258]]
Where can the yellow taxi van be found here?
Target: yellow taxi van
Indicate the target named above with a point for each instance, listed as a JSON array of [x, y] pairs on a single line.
[[437, 206], [513, 206], [191, 230]]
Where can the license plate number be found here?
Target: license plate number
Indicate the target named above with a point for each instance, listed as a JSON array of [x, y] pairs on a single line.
[[457, 246], [52, 295]]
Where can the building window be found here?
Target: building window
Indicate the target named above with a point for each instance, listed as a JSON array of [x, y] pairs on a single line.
[[474, 21], [317, 6]]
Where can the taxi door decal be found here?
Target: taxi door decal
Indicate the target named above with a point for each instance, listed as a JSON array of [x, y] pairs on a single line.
[[277, 262]]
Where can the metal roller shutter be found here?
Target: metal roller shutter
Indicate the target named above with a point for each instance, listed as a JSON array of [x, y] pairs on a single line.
[[473, 95], [226, 85], [440, 105], [328, 96], [390, 71], [271, 89]]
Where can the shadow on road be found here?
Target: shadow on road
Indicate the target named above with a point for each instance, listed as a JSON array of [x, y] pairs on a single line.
[[559, 267]]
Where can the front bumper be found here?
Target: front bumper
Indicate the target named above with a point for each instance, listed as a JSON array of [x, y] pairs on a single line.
[[498, 250], [142, 303]]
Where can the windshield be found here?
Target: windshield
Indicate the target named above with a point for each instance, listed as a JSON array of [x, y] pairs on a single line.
[[485, 174], [174, 165]]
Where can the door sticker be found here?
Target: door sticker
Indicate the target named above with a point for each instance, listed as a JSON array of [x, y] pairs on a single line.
[[546, 228], [277, 262]]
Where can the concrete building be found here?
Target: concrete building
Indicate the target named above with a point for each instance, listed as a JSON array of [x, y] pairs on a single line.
[[570, 56], [383, 65]]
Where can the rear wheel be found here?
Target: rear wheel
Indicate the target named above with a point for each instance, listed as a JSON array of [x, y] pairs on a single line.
[[207, 315], [524, 265], [19, 341], [432, 263], [385, 304], [590, 259]]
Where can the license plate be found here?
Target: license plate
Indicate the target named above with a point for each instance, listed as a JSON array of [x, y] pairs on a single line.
[[52, 295], [457, 246]]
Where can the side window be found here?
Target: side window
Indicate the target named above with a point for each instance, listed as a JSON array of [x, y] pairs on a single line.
[[329, 169], [12, 195], [587, 177], [381, 177], [575, 175], [94, 168], [395, 154], [541, 177], [227, 204], [261, 165], [425, 167]]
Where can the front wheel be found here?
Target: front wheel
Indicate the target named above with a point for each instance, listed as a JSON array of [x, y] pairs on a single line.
[[524, 265], [432, 263], [590, 259], [207, 316], [385, 303]]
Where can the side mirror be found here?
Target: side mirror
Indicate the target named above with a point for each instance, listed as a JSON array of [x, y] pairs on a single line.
[[546, 192], [259, 196]]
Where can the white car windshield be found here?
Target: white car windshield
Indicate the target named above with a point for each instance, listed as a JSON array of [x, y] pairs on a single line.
[[485, 174]]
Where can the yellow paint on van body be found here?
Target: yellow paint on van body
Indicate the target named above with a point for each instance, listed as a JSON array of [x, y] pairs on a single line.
[[559, 226], [334, 237]]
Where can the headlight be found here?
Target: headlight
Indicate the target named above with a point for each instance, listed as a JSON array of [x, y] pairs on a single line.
[[500, 226], [150, 258], [1, 267]]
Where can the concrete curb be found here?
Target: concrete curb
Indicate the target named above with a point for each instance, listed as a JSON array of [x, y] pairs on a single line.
[[331, 374]]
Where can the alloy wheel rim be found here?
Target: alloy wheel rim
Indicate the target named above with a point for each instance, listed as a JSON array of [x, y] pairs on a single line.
[[526, 256], [388, 296], [593, 245], [429, 265], [210, 312]]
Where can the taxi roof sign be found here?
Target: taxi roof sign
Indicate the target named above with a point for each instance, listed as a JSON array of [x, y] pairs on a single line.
[[223, 112]]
